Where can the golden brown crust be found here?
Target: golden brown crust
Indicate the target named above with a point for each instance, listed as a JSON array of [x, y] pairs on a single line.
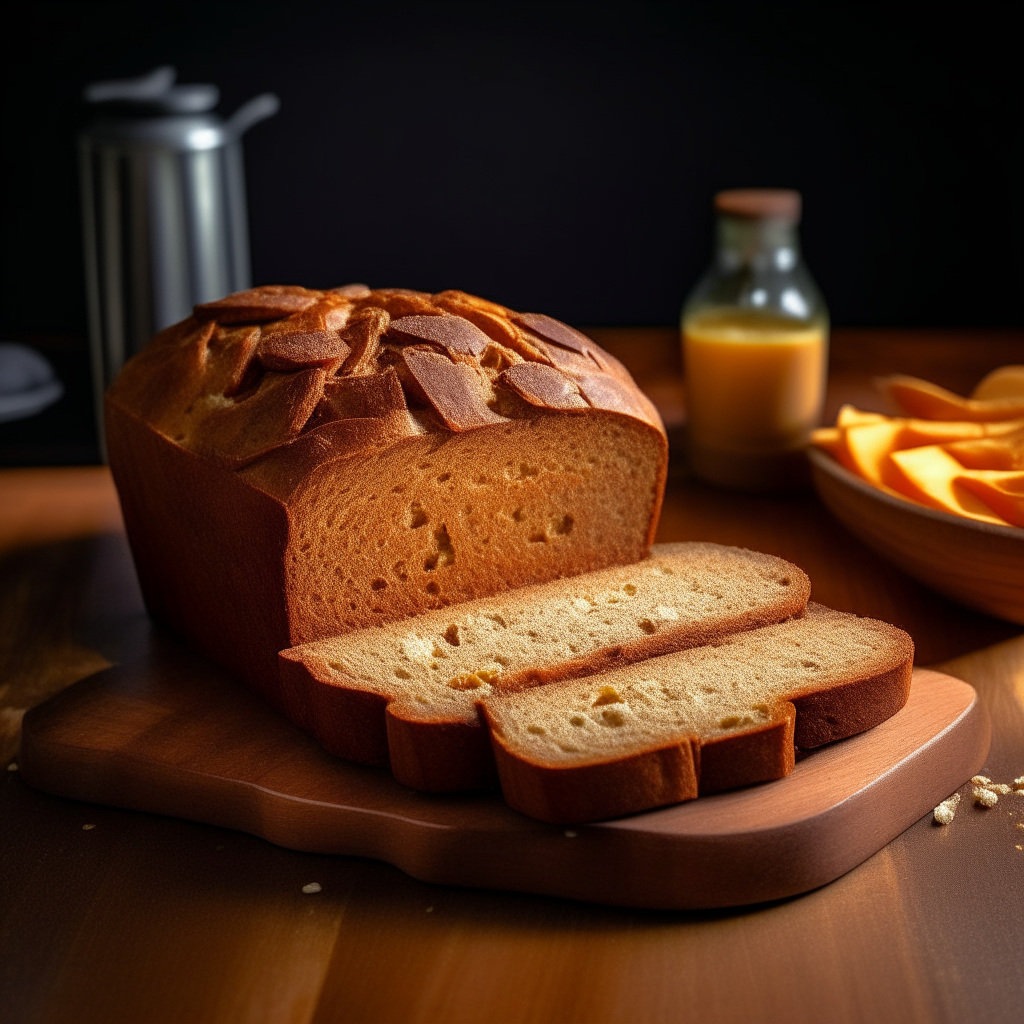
[[544, 386], [237, 433], [343, 720], [303, 350], [829, 715], [258, 305], [455, 391], [362, 334], [211, 383], [217, 582], [664, 775], [761, 755], [438, 755]]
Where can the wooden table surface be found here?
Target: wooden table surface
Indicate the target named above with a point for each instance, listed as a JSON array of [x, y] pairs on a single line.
[[109, 915]]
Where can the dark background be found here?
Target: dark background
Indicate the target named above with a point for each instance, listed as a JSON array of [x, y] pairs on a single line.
[[559, 158]]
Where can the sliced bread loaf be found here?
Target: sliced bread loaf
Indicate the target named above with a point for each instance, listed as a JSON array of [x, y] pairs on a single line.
[[697, 721], [405, 693]]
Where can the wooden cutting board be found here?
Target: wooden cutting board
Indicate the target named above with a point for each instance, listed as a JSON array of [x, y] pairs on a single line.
[[173, 735]]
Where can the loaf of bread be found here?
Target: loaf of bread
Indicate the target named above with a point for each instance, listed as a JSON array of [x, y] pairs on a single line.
[[406, 694], [699, 721], [294, 464]]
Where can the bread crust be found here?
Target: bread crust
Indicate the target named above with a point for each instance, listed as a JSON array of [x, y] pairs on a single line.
[[439, 755], [665, 774], [760, 755], [842, 711], [189, 566], [806, 717], [221, 430], [344, 720]]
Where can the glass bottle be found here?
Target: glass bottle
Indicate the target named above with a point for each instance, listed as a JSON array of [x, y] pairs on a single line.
[[755, 347]]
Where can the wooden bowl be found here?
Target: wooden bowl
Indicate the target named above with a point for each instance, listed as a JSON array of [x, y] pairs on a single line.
[[977, 564]]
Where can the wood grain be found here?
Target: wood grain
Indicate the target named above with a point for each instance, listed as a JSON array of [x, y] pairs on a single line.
[[149, 918], [41, 506]]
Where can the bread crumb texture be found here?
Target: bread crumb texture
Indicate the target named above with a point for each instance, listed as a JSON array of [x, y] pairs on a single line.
[[741, 684], [697, 721], [427, 523]]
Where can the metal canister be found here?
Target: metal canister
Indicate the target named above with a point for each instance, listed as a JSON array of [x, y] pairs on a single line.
[[164, 215]]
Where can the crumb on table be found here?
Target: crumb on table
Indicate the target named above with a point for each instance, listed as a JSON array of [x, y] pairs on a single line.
[[944, 813], [985, 797]]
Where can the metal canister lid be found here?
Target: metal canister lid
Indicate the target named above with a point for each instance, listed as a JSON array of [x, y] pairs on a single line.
[[152, 110], [154, 93]]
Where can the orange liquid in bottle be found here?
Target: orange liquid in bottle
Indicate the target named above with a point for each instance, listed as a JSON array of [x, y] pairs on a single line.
[[754, 389]]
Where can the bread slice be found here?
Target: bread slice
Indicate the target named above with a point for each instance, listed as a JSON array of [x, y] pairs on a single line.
[[293, 464], [406, 693], [698, 721]]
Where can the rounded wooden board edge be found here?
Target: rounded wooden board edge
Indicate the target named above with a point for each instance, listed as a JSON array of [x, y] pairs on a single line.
[[478, 841]]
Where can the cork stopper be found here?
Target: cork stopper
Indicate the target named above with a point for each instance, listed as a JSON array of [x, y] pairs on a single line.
[[780, 203]]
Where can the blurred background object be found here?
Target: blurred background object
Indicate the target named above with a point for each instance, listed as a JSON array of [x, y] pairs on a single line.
[[558, 158], [164, 216], [27, 382]]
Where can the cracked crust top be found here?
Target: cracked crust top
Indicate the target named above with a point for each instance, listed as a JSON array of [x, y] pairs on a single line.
[[261, 369]]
